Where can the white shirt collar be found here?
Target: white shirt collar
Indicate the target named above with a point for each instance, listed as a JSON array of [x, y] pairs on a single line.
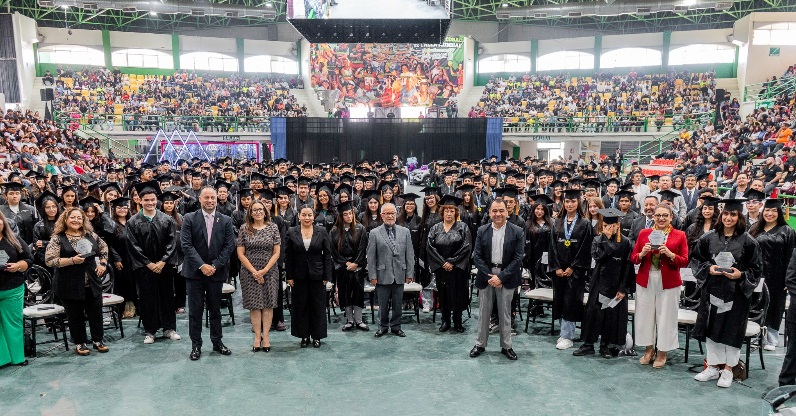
[[212, 214]]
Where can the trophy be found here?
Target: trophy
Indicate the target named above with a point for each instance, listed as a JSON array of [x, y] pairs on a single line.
[[3, 258], [657, 238], [724, 260], [84, 248]]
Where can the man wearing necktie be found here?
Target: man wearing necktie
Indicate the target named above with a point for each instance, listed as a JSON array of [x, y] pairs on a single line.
[[646, 220], [208, 239]]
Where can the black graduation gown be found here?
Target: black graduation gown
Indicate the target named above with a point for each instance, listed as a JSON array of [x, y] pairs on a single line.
[[729, 327], [124, 283], [453, 247], [537, 242], [470, 219], [150, 242], [425, 274], [350, 284], [25, 220], [43, 232], [568, 291], [226, 208], [607, 279], [325, 218], [369, 226], [413, 224], [776, 246], [289, 216]]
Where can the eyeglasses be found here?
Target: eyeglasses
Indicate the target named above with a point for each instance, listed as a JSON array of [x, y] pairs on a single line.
[[388, 213]]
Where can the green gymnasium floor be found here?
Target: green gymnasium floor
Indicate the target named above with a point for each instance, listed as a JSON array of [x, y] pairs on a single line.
[[426, 373]]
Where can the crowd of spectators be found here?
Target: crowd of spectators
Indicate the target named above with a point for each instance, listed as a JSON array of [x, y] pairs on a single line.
[[604, 103], [29, 142], [192, 101]]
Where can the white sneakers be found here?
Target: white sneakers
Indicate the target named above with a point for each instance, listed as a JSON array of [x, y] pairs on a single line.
[[710, 373], [713, 373], [172, 335], [564, 344], [149, 339], [769, 347]]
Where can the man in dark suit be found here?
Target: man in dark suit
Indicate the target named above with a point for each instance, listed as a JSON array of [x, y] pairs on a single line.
[[499, 249], [21, 213], [646, 220], [690, 192], [207, 240]]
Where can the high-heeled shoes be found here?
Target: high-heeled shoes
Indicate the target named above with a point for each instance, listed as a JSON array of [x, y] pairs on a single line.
[[648, 357], [660, 360], [266, 349], [305, 342]]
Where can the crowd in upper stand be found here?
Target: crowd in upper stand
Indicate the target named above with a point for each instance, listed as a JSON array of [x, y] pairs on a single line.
[[633, 96], [103, 91]]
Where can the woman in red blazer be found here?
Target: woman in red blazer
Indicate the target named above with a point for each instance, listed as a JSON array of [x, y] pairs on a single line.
[[658, 287]]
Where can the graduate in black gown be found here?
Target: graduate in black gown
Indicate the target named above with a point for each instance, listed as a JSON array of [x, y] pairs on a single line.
[[282, 207], [349, 247], [152, 247], [409, 218], [448, 249], [724, 308], [49, 210], [777, 241], [606, 310], [325, 214], [225, 204], [124, 282], [537, 243], [570, 263], [369, 217], [431, 216]]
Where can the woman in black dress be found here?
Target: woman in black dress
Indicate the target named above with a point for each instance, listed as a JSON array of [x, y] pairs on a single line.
[[777, 241], [168, 201], [124, 282], [724, 309], [468, 212], [409, 218], [48, 208], [570, 262], [369, 217], [537, 242], [225, 204], [324, 211], [708, 216], [431, 216], [349, 247], [282, 207], [448, 251], [308, 259]]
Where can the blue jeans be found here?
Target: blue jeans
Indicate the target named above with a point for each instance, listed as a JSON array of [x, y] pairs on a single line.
[[567, 329]]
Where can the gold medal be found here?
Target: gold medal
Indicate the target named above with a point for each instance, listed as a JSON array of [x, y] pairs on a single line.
[[567, 243]]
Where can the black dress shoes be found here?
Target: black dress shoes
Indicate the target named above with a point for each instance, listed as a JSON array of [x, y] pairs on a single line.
[[476, 351], [509, 353], [399, 333], [196, 353], [221, 349], [380, 333], [458, 329], [584, 349], [316, 343], [444, 327], [305, 342], [605, 352]]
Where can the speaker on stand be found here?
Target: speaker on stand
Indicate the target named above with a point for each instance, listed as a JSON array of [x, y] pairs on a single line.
[[47, 95], [721, 96]]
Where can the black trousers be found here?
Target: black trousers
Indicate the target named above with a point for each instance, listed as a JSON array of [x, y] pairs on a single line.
[[279, 311], [180, 292], [385, 293], [156, 299], [308, 316], [78, 310], [200, 290], [787, 376]]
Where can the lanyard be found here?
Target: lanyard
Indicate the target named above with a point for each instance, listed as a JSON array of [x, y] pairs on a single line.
[[569, 229]]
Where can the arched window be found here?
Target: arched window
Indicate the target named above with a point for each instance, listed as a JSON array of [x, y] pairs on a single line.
[[71, 55], [630, 57], [142, 58], [565, 60], [208, 61], [775, 34], [702, 54], [504, 63], [270, 64]]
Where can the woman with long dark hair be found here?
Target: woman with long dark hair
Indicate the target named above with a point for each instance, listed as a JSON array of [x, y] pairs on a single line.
[[169, 207], [49, 210], [369, 217], [431, 216], [12, 292], [324, 211], [777, 241], [349, 247], [570, 262], [124, 282], [537, 240], [707, 219], [724, 307]]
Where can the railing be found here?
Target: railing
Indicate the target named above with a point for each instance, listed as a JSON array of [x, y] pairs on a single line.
[[647, 150], [120, 148], [763, 95], [603, 124], [150, 122]]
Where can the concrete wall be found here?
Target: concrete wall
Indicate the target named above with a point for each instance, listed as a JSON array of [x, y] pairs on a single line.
[[24, 39]]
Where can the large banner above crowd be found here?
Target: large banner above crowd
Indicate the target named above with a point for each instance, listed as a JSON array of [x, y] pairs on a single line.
[[389, 75]]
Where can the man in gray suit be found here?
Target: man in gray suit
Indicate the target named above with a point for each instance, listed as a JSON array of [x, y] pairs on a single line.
[[391, 262], [665, 184]]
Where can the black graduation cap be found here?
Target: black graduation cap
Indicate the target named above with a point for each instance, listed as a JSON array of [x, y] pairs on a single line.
[[44, 196], [572, 194], [625, 192], [13, 186], [289, 179], [164, 178], [544, 172], [35, 175], [243, 192], [773, 203], [94, 185], [558, 184], [668, 195], [302, 180], [257, 176], [145, 166], [169, 196], [702, 177], [267, 194], [65, 188], [541, 199], [144, 188], [612, 181], [654, 178], [371, 194], [734, 204], [450, 200], [466, 175], [121, 201], [110, 186], [281, 190], [345, 206], [592, 183], [705, 191], [754, 195], [89, 201], [465, 188], [611, 215], [344, 187], [430, 190], [710, 201], [346, 178], [328, 186], [180, 162], [506, 192], [409, 196], [221, 184]]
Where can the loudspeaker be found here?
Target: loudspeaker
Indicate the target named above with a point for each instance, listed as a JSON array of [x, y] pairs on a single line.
[[47, 94], [720, 95], [504, 155]]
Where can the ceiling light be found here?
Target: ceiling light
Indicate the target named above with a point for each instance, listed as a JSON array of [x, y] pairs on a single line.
[[153, 14], [505, 5], [65, 7]]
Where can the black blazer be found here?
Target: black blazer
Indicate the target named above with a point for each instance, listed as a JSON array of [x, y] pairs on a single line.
[[193, 237], [312, 264], [513, 252]]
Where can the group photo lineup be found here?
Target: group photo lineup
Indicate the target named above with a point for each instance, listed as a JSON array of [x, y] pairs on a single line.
[[410, 207]]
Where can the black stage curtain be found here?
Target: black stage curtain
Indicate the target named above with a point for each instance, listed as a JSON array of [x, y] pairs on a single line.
[[320, 140], [9, 84]]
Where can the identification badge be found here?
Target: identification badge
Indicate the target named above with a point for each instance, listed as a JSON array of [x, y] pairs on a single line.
[[567, 243], [544, 258]]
